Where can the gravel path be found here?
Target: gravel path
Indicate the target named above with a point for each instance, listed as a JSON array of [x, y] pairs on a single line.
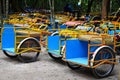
[[45, 69]]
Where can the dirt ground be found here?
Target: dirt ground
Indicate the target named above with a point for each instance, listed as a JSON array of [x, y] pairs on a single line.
[[46, 69]]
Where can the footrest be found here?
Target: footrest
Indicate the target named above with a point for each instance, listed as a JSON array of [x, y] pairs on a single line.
[[56, 52], [83, 60], [9, 50]]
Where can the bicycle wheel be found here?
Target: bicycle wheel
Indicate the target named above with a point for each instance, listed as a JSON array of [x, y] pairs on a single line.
[[29, 50], [106, 68], [55, 57], [55, 33], [10, 55], [73, 65]]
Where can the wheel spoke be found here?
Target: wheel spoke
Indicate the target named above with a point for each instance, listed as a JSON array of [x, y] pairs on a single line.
[[106, 68], [29, 54]]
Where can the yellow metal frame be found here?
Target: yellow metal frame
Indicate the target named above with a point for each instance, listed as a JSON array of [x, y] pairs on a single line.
[[31, 29], [78, 33], [28, 33]]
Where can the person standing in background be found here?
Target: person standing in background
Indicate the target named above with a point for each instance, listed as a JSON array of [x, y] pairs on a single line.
[[69, 9]]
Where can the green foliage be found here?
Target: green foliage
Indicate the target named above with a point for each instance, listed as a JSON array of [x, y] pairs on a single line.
[[114, 5], [59, 5]]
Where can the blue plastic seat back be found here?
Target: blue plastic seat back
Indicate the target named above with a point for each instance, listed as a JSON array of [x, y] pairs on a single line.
[[54, 42], [8, 37], [76, 49], [50, 28], [63, 26], [111, 32]]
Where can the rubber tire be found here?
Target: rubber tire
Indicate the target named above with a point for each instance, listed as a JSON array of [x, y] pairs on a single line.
[[107, 73], [9, 55], [54, 57], [73, 67], [55, 34], [35, 57]]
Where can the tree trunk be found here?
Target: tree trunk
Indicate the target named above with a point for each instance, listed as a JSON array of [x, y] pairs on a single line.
[[105, 8], [0, 10], [4, 7], [89, 6], [1, 19], [7, 8]]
